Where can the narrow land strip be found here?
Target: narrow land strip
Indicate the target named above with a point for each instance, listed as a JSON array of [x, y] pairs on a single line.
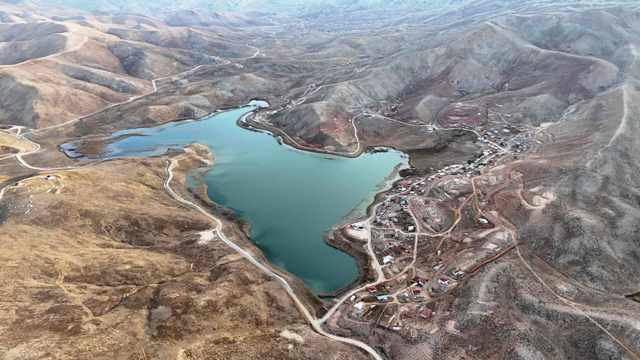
[[315, 323]]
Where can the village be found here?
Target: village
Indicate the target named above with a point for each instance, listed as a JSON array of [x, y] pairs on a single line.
[[428, 238]]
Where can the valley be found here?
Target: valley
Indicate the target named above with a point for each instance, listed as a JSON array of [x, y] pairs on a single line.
[[131, 201]]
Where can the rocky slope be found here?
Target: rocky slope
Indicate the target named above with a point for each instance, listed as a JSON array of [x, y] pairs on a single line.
[[568, 209], [468, 74], [418, 81], [92, 271], [55, 68]]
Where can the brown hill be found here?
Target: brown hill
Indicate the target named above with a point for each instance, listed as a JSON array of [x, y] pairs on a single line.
[[76, 65]]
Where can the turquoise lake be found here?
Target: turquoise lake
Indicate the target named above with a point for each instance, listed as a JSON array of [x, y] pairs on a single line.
[[291, 198]]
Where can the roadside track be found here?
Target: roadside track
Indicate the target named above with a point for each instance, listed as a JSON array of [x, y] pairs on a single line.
[[512, 230], [51, 56], [315, 323]]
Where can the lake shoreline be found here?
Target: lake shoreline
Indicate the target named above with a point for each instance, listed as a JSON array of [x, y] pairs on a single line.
[[333, 238]]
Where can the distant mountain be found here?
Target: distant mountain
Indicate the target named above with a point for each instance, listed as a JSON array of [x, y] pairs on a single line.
[[295, 6], [223, 5], [298, 6]]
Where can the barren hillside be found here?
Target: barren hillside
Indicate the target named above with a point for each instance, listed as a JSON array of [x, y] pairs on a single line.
[[512, 236]]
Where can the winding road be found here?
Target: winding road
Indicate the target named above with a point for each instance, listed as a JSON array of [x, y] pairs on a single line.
[[315, 323], [353, 153], [67, 49], [154, 84], [172, 163], [512, 230]]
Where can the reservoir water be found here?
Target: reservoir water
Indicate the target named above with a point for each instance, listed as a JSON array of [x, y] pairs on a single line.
[[291, 198]]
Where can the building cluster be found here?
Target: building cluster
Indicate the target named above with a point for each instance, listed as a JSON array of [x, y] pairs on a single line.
[[421, 261], [497, 141], [394, 213], [507, 139], [403, 304], [393, 249]]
